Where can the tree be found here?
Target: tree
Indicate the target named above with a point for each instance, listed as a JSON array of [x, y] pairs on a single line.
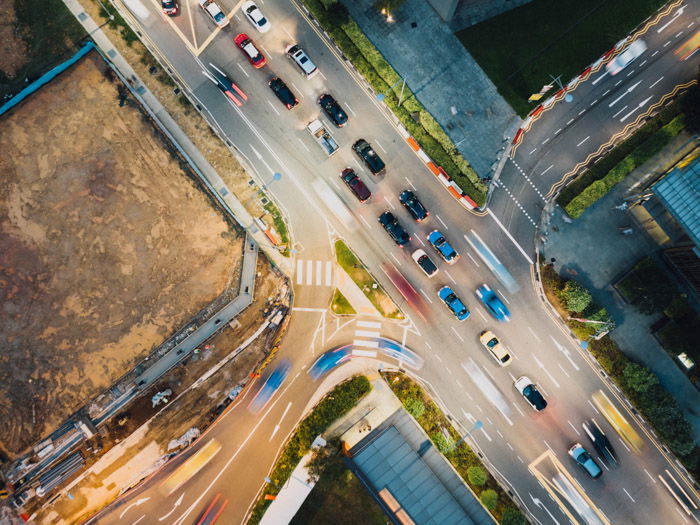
[[337, 14], [489, 498], [638, 377], [575, 296], [512, 516], [477, 476], [691, 108]]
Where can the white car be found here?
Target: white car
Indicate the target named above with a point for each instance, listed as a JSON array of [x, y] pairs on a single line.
[[622, 60], [252, 12], [214, 11], [424, 262], [529, 391], [495, 348]]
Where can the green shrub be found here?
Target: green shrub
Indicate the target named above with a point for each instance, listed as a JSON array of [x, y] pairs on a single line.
[[477, 476], [585, 199], [489, 498], [638, 377], [679, 309], [512, 516], [415, 407], [608, 355], [441, 442], [575, 296]]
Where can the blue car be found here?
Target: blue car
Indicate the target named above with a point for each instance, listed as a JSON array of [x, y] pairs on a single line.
[[493, 304], [454, 303], [446, 251], [585, 461]]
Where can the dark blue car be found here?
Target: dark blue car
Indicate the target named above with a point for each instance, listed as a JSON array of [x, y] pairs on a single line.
[[454, 303]]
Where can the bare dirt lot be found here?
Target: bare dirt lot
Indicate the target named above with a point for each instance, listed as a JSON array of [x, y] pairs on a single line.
[[106, 248]]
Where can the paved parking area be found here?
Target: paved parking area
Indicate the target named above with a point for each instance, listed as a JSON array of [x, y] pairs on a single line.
[[443, 76]]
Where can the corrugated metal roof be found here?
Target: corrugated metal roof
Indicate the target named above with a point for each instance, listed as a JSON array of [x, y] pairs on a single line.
[[680, 193]]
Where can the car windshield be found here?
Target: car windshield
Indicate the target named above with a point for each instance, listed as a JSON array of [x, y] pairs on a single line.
[[492, 342]]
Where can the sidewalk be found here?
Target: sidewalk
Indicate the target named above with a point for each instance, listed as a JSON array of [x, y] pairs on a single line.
[[353, 294], [592, 251]]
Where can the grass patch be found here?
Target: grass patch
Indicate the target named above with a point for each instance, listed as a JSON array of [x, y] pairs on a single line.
[[519, 49], [335, 404], [52, 35], [280, 225], [463, 459], [340, 305], [367, 283]]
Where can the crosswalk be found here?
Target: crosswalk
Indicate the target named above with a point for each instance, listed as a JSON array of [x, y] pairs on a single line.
[[367, 329], [314, 273]]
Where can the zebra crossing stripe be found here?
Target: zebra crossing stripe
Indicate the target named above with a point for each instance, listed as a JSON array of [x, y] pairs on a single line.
[[329, 273], [309, 272], [300, 271]]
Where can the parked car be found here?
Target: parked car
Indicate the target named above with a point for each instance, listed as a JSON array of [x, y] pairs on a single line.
[[495, 348], [301, 59], [600, 442], [169, 7], [254, 15], [394, 229], [413, 205], [357, 187], [529, 391], [445, 250], [493, 304], [225, 84], [454, 303], [373, 162], [333, 110], [424, 262], [254, 56], [585, 461], [624, 59], [283, 93]]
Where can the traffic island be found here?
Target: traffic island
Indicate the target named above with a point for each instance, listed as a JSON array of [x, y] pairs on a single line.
[[340, 305]]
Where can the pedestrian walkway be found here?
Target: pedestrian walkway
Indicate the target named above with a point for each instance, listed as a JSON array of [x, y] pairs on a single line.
[[370, 330], [592, 251], [314, 273], [354, 295]]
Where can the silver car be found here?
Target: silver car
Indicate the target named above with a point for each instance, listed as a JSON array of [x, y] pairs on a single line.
[[622, 60]]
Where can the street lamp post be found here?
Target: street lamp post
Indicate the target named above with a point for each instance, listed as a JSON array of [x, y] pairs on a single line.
[[477, 425], [275, 177], [381, 96]]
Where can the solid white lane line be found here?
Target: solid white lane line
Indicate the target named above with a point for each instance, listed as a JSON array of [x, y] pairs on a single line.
[[323, 76], [273, 107], [242, 69], [410, 183], [628, 495], [368, 324], [426, 295], [450, 277], [309, 272], [545, 171], [380, 146], [389, 202], [319, 273], [650, 476], [520, 249], [397, 261], [366, 333], [534, 334], [441, 221], [457, 334], [329, 273], [349, 109], [572, 426], [316, 310], [583, 141], [300, 271], [660, 79], [681, 514], [304, 145], [472, 258], [616, 114]]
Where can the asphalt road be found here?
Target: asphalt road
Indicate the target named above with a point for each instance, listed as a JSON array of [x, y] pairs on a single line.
[[273, 139]]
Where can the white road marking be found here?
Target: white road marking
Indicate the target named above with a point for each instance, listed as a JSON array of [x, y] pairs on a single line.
[[441, 221], [583, 141], [551, 377], [458, 383], [349, 109], [601, 77], [319, 273], [397, 261], [624, 444], [606, 92], [628, 495], [138, 520], [497, 431], [479, 407], [366, 333], [650, 476], [243, 69], [472, 258], [410, 183], [564, 351], [277, 426], [545, 141], [559, 130], [448, 370], [297, 90], [642, 63], [368, 324], [420, 240], [309, 272], [562, 369], [266, 51], [321, 73], [482, 315], [300, 309], [572, 426], [438, 358], [380, 146], [545, 171], [518, 409], [660, 79], [300, 271], [534, 150], [457, 334], [426, 295], [521, 460], [273, 107], [303, 145], [450, 277], [681, 514], [547, 445], [569, 122], [593, 406], [616, 114], [618, 82], [389, 202], [368, 344], [593, 103], [502, 295], [581, 112], [534, 334], [667, 43], [329, 273], [365, 221], [428, 345], [655, 53], [288, 33], [690, 24], [527, 257]]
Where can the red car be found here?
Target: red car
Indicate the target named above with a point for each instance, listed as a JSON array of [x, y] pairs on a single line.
[[169, 7], [255, 57]]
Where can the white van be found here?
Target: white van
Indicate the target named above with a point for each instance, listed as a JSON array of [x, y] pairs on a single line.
[[301, 59]]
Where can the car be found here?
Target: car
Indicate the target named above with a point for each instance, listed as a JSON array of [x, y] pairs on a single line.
[[495, 348], [333, 110], [169, 7], [454, 303], [302, 60], [254, 56], [225, 84], [373, 162], [529, 391], [254, 15], [413, 205], [283, 93], [622, 60], [600, 442], [445, 250], [212, 9], [424, 262], [394, 229], [213, 511], [493, 303], [356, 186], [585, 461]]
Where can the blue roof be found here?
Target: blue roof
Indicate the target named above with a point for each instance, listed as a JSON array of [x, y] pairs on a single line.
[[679, 191]]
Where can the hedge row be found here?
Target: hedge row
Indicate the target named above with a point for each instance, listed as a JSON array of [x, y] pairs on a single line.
[[641, 386], [609, 161], [381, 77], [334, 405], [642, 153], [462, 458]]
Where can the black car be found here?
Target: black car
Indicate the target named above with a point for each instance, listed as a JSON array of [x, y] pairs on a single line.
[[394, 229], [333, 110], [355, 184], [600, 442], [283, 93], [169, 7], [413, 205], [369, 156]]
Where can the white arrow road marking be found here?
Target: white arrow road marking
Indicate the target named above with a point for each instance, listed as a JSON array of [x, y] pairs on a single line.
[[626, 92], [640, 106], [135, 503], [177, 504], [551, 377], [564, 351], [277, 426], [541, 505]]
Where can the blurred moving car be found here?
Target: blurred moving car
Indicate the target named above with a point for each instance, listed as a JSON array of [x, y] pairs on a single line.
[[394, 229], [225, 84], [585, 461], [624, 59], [495, 348], [454, 303], [424, 262], [254, 15], [492, 303], [413, 205], [254, 56], [373, 162], [169, 7], [445, 250], [600, 442], [213, 511], [529, 391], [333, 110], [358, 188], [283, 93], [302, 60]]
